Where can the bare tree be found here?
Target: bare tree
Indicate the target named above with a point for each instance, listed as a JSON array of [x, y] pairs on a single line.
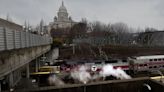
[[122, 32], [78, 30]]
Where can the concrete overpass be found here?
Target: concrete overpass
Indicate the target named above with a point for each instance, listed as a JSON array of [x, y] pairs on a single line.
[[17, 50]]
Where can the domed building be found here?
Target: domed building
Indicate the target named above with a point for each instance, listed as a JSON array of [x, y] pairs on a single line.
[[62, 20]]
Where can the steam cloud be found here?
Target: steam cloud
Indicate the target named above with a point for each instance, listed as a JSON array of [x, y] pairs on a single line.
[[54, 80], [81, 74], [108, 70]]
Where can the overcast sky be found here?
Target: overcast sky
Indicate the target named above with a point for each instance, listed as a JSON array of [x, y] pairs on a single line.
[[135, 13]]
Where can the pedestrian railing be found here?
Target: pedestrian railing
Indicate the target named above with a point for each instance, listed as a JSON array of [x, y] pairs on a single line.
[[11, 39]]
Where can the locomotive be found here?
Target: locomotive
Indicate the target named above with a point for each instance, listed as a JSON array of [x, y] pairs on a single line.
[[135, 64]]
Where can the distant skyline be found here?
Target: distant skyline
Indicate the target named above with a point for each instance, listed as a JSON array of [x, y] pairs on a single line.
[[135, 13]]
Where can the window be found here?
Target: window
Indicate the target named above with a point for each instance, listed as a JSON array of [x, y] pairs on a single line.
[[155, 59], [97, 62], [124, 60], [159, 59], [81, 62], [150, 59], [111, 61], [155, 66], [141, 65]]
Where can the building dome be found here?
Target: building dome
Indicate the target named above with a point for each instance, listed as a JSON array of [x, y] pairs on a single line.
[[62, 8], [62, 20]]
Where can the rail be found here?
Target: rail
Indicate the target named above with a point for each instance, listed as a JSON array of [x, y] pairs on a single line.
[[11, 39]]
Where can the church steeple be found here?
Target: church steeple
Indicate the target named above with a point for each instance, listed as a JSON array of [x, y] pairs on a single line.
[[62, 3], [62, 8], [62, 13], [62, 20]]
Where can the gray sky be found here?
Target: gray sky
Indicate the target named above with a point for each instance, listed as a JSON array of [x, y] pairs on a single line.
[[135, 13]]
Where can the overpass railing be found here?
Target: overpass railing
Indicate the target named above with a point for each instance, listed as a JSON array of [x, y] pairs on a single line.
[[11, 39]]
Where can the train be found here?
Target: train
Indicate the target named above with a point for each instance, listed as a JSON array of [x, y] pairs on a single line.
[[146, 63], [135, 64], [130, 65]]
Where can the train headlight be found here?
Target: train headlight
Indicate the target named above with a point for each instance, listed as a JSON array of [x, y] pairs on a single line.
[[94, 68]]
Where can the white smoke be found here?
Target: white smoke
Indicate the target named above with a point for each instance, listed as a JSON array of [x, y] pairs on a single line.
[[108, 70], [81, 74], [122, 74], [54, 80]]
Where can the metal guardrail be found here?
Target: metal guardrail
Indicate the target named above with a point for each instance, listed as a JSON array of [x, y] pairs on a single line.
[[131, 85], [10, 39]]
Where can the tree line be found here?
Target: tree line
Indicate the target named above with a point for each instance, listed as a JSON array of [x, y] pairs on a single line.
[[122, 34]]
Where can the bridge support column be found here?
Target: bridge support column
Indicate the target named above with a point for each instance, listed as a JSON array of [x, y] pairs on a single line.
[[36, 65], [39, 65], [27, 71], [0, 87], [11, 81]]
